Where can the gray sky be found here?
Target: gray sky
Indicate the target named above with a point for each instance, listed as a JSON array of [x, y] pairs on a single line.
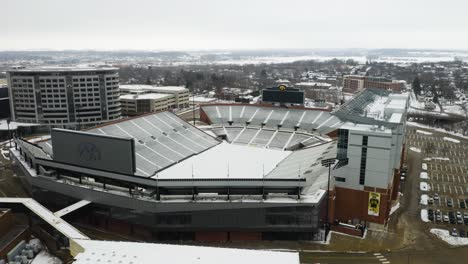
[[233, 24]]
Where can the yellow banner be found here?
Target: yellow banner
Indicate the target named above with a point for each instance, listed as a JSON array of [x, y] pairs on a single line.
[[374, 204]]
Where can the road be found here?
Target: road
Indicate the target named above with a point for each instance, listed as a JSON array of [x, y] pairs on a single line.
[[340, 258]]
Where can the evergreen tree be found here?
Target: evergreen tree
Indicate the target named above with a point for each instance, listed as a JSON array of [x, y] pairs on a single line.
[[416, 86]]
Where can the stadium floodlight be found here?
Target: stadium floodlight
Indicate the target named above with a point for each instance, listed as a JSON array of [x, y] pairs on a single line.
[[328, 164]]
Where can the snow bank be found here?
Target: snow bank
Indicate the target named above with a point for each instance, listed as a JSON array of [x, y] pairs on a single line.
[[45, 258], [445, 236], [415, 149], [436, 158], [394, 208], [424, 216], [423, 175], [424, 166], [423, 186], [424, 199], [423, 132], [451, 140], [415, 124]]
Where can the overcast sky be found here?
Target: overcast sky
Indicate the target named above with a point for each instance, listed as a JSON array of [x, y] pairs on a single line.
[[232, 24]]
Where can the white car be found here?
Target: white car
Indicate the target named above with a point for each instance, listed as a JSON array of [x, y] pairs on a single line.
[[446, 218]]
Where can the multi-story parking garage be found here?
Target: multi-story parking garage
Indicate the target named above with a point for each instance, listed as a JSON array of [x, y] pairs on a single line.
[[64, 96]]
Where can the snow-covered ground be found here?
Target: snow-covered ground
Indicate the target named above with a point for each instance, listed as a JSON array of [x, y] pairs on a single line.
[[424, 166], [423, 186], [451, 140], [415, 149], [423, 132], [424, 216], [423, 175], [445, 236], [424, 198], [436, 158]]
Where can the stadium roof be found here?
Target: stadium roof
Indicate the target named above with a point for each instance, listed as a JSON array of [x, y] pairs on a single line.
[[374, 106]]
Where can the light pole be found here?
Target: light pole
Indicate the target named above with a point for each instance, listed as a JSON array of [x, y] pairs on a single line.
[[193, 103], [328, 163], [9, 133]]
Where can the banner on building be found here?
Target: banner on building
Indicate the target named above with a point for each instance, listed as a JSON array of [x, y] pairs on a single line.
[[374, 204]]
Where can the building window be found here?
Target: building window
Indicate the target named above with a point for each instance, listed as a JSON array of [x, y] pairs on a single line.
[[343, 135], [362, 172], [340, 179], [364, 140]]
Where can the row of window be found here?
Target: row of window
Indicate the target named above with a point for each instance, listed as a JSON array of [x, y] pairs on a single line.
[[362, 171]]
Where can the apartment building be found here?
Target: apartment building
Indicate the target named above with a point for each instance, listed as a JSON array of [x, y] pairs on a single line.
[[355, 83], [64, 96]]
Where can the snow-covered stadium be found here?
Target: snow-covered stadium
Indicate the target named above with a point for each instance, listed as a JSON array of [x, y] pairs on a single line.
[[253, 172]]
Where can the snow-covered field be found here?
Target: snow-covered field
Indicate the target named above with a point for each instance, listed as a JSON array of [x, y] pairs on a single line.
[[451, 140], [424, 216], [424, 198], [415, 149], [423, 186], [445, 236], [423, 132], [424, 166], [423, 175]]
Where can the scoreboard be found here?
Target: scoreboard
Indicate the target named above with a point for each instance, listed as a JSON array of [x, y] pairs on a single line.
[[283, 95]]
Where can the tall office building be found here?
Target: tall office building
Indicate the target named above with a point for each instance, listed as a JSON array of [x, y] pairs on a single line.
[[64, 96]]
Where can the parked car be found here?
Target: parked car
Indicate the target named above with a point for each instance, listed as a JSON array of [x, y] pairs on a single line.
[[436, 196], [462, 204], [462, 233], [454, 232], [430, 214], [450, 202], [438, 215], [430, 200], [452, 218], [446, 218]]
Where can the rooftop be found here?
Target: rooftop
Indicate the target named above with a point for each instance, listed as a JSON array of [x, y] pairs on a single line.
[[62, 69], [152, 88], [150, 96], [143, 253], [374, 107]]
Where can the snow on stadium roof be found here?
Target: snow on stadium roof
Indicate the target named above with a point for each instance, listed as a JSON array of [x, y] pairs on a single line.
[[374, 107], [227, 161], [148, 253]]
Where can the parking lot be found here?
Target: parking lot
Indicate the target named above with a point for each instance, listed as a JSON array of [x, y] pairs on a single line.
[[445, 159]]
